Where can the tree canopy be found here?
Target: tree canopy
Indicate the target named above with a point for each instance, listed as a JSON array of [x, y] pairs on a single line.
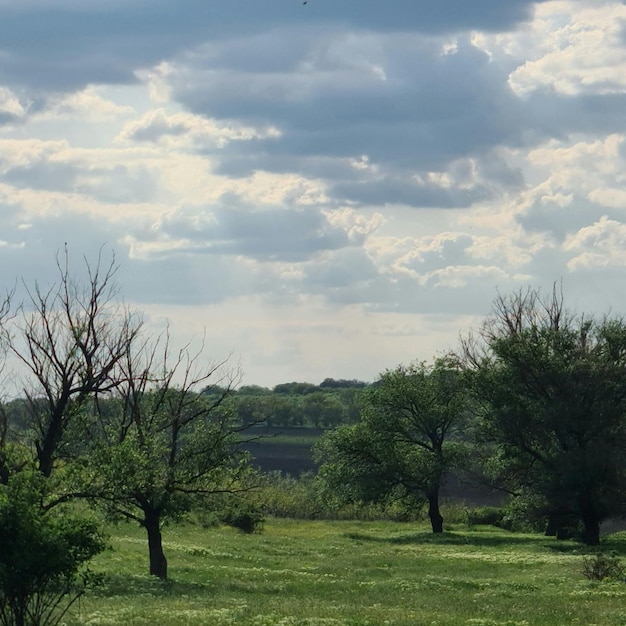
[[552, 389], [403, 445]]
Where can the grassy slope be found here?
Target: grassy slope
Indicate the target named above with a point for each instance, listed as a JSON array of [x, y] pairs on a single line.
[[323, 573]]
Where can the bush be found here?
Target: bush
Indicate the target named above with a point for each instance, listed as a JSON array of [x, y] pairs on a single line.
[[246, 518], [484, 516], [42, 555], [287, 497], [525, 513], [603, 566]]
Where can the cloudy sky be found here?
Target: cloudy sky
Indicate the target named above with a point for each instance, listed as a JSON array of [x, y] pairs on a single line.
[[325, 189]]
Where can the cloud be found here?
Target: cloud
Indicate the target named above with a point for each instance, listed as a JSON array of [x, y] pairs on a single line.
[[54, 166], [601, 244], [88, 103], [157, 124], [320, 184], [66, 45], [352, 98], [574, 49], [271, 234], [11, 109], [582, 179]]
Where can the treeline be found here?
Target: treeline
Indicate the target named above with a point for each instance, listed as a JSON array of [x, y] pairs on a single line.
[[327, 405], [294, 404]]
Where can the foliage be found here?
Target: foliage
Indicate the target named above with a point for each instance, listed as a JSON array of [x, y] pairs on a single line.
[[246, 517], [552, 388], [403, 444], [485, 516], [42, 555], [294, 388], [286, 496], [603, 566], [525, 512], [164, 444], [331, 383], [305, 498], [301, 404]]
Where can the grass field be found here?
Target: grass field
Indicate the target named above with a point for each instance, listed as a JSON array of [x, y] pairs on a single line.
[[333, 573]]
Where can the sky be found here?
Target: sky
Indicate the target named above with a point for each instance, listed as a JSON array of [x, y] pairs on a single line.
[[319, 189]]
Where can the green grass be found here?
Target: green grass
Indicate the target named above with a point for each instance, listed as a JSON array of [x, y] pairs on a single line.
[[333, 573]]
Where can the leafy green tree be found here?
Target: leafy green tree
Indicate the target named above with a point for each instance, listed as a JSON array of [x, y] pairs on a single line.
[[167, 445], [404, 443], [43, 554], [552, 387], [350, 398], [256, 405]]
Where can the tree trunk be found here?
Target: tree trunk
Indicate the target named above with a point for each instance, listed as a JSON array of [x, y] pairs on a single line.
[[436, 520], [51, 437], [158, 562], [18, 610], [552, 527], [591, 531]]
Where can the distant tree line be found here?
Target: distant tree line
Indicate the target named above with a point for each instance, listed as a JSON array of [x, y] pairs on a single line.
[[325, 406]]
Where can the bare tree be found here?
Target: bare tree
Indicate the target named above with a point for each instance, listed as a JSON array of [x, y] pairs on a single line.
[[70, 340], [6, 460]]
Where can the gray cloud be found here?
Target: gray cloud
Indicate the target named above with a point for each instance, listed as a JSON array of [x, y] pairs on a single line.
[[406, 105], [402, 190], [115, 184], [65, 45], [31, 247], [272, 233], [560, 221]]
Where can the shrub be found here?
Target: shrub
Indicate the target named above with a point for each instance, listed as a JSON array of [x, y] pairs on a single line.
[[525, 513], [484, 516], [603, 566], [244, 517], [287, 497], [42, 555]]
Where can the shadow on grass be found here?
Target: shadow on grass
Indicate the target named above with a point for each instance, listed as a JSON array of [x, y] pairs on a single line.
[[493, 540], [112, 585], [120, 585]]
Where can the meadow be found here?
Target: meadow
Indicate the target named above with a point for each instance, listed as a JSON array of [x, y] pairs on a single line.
[[318, 573]]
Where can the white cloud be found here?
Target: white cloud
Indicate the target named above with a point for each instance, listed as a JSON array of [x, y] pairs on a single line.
[[602, 244], [10, 105], [88, 104], [462, 276], [157, 124], [571, 47]]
